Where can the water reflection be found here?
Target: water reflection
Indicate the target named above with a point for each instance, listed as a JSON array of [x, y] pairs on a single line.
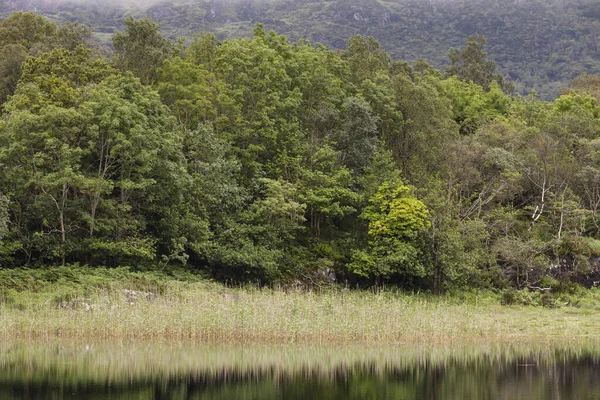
[[60, 370]]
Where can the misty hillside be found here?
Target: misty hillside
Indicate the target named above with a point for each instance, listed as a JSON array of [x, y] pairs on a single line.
[[538, 44]]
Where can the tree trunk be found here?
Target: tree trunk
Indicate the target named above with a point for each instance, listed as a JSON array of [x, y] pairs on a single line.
[[63, 236]]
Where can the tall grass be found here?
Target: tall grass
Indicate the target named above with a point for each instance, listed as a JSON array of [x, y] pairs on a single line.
[[91, 304]]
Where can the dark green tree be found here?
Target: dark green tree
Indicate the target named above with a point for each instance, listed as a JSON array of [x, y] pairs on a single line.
[[471, 65]]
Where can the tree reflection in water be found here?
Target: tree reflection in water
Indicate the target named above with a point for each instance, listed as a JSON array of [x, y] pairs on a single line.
[[191, 371]]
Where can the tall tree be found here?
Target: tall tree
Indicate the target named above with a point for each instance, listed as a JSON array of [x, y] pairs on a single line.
[[92, 157], [357, 137], [471, 64], [365, 57], [141, 48], [24, 34], [12, 57]]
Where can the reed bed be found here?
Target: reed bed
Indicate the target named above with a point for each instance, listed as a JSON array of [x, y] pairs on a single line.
[[210, 312]]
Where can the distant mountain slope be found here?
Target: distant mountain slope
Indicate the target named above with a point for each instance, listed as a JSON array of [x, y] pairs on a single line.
[[539, 44]]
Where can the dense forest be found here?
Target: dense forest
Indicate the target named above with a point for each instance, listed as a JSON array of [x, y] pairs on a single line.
[[262, 159], [541, 45]]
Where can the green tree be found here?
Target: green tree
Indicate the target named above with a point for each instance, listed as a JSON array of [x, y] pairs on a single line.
[[11, 58], [588, 183], [395, 219], [70, 35], [43, 155], [26, 29], [21, 34], [260, 241], [24, 34], [194, 95], [471, 65], [472, 106], [326, 189], [365, 57], [263, 123], [420, 142], [357, 137], [202, 50], [141, 48], [82, 146], [585, 83]]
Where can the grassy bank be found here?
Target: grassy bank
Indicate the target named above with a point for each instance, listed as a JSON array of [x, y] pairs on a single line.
[[120, 304]]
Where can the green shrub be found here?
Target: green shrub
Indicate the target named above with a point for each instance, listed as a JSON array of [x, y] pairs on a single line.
[[508, 297], [524, 297]]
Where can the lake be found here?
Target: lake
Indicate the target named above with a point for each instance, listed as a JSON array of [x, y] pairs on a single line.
[[57, 369]]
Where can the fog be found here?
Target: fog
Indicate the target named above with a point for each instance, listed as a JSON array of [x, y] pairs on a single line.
[[25, 5]]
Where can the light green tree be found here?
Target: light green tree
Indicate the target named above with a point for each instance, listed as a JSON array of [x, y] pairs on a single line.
[[395, 219]]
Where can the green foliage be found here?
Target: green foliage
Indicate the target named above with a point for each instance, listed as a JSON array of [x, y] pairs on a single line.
[[471, 65], [261, 159], [3, 216], [584, 83], [186, 88], [395, 219], [593, 246], [574, 102], [24, 34], [11, 56], [26, 29], [392, 212], [83, 143], [365, 57], [326, 189], [141, 48], [472, 105], [357, 139]]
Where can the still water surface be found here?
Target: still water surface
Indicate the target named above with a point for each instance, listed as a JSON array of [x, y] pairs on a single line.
[[67, 370]]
